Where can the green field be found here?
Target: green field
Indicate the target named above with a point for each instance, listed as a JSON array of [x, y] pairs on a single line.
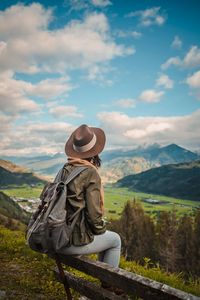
[[24, 191], [116, 198]]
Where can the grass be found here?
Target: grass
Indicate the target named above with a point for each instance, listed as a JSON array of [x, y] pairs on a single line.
[[116, 198], [25, 274], [29, 275], [24, 191], [156, 273]]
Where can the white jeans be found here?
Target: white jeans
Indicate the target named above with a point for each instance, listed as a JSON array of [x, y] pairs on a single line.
[[107, 245]]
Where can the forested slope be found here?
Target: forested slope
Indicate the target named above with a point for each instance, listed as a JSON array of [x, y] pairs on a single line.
[[177, 180]]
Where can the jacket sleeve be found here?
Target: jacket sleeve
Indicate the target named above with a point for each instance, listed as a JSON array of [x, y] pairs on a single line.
[[93, 211]]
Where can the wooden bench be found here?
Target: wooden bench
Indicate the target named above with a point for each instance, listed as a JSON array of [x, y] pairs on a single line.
[[131, 283]]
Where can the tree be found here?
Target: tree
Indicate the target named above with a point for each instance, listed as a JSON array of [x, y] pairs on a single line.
[[167, 241], [137, 231], [185, 240], [196, 265], [126, 229]]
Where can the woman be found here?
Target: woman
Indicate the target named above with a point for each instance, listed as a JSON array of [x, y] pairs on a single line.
[[85, 198]]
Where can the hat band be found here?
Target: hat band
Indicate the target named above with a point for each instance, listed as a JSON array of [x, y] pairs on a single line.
[[86, 147]]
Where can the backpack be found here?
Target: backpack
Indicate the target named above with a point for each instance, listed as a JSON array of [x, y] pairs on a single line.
[[47, 231]]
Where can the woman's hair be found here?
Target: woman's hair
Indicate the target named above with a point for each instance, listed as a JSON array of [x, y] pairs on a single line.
[[95, 160]]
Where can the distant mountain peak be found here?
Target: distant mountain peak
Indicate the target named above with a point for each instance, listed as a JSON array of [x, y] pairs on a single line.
[[175, 147]]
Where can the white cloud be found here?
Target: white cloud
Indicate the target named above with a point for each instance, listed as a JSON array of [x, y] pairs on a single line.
[[122, 130], [194, 83], [126, 103], [149, 17], [64, 111], [194, 80], [124, 34], [32, 18], [50, 88], [177, 43], [101, 3], [100, 73], [151, 96], [165, 81], [13, 98], [86, 5], [30, 46], [191, 59], [76, 4], [6, 123], [15, 95], [152, 128], [135, 34], [35, 138], [172, 61]]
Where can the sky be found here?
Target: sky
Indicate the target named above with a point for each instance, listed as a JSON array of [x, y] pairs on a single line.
[[129, 67]]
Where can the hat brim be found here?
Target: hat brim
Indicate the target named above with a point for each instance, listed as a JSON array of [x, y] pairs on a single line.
[[95, 150]]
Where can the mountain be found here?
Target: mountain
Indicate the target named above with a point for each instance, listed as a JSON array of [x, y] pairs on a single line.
[[154, 152], [16, 175], [116, 163], [176, 180], [47, 165]]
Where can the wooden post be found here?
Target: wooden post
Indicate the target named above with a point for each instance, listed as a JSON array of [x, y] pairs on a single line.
[[63, 279]]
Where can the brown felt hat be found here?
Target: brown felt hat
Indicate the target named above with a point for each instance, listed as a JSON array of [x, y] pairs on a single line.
[[85, 142]]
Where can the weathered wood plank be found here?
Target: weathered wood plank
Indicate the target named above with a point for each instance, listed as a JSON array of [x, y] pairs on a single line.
[[88, 289], [130, 282]]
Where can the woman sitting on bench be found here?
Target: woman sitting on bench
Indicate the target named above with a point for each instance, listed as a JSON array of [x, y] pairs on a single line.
[[86, 198]]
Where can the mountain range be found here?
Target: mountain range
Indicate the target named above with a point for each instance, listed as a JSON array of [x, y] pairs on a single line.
[[176, 180], [116, 163]]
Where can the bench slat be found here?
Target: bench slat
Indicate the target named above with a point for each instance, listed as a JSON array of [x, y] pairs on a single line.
[[88, 289], [131, 283]]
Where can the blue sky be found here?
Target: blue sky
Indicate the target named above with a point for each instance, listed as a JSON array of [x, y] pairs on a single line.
[[129, 67]]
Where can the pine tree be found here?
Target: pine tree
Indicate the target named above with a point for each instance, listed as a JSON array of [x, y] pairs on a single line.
[[125, 227], [196, 265], [185, 239], [166, 240], [149, 234], [138, 233]]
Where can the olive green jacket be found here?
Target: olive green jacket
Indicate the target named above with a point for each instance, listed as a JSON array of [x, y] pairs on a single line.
[[84, 199]]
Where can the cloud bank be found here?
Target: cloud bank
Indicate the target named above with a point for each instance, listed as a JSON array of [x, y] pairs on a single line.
[[123, 130]]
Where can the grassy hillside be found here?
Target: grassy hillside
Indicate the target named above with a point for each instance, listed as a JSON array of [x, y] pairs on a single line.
[[11, 174], [179, 180], [9, 166], [10, 209], [25, 274]]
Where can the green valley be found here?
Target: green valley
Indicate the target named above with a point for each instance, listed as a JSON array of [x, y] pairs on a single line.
[[116, 198]]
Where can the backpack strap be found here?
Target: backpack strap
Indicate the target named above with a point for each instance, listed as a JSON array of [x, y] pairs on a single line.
[[75, 172]]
